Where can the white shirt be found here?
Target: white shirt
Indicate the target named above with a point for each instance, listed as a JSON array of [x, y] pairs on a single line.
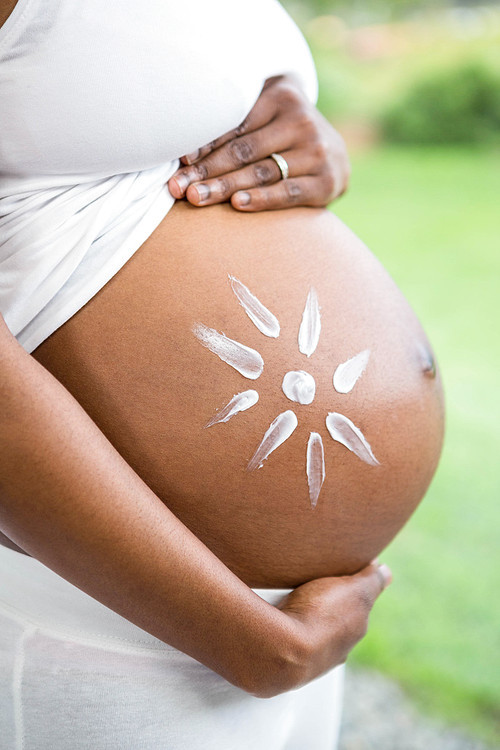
[[98, 102]]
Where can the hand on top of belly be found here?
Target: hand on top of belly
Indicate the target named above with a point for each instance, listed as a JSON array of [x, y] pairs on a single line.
[[237, 167]]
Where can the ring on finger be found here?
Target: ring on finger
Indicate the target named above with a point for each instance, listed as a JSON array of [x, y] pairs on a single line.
[[282, 164]]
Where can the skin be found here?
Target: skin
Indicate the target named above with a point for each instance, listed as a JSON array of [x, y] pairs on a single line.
[[153, 406], [6, 8], [235, 168], [69, 498], [85, 436]]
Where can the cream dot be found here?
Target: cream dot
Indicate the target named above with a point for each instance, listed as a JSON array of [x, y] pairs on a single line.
[[299, 386]]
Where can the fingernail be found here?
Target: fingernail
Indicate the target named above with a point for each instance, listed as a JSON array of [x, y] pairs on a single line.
[[243, 199], [203, 192], [386, 573], [182, 181], [190, 158]]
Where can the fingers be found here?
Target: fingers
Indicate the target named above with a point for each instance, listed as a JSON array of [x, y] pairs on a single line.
[[384, 574], [220, 189], [200, 153], [299, 191], [341, 605], [263, 172], [233, 155], [331, 615], [237, 168], [352, 595], [361, 593], [372, 580], [263, 112]]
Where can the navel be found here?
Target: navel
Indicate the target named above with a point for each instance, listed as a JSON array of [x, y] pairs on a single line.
[[426, 361]]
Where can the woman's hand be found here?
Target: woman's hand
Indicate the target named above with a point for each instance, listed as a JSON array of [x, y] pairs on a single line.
[[332, 614], [237, 166], [329, 616]]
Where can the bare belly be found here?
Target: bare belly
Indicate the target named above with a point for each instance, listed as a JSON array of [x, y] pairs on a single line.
[[130, 357]]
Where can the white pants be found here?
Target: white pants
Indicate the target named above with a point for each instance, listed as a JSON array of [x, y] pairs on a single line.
[[74, 675]]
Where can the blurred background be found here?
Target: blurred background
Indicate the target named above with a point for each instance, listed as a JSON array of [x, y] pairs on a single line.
[[414, 88]]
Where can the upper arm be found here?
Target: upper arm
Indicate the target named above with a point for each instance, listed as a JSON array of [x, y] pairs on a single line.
[[6, 8]]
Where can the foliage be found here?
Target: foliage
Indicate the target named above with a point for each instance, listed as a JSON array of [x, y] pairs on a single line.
[[457, 105], [434, 77]]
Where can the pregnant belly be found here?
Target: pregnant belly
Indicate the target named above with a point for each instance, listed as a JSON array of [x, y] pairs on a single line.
[[130, 356]]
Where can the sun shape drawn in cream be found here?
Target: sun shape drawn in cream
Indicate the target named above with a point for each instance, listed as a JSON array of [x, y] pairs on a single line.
[[298, 386]]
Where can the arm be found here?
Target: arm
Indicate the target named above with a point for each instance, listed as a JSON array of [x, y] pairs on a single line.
[[70, 500], [6, 8]]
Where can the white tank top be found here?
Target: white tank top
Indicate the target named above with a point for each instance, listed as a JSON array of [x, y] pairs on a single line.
[[98, 102]]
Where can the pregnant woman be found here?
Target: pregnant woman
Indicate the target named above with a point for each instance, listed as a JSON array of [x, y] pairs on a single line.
[[195, 401]]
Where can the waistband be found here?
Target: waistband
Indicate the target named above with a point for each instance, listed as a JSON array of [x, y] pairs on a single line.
[[34, 595]]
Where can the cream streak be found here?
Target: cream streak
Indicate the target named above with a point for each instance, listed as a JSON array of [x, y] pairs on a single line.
[[315, 466], [344, 431], [239, 402], [310, 327], [348, 373], [260, 316], [247, 361], [279, 431], [299, 386]]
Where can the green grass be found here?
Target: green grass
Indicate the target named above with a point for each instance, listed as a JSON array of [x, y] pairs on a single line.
[[432, 218]]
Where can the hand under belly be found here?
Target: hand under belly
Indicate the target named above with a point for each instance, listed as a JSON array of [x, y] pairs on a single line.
[[142, 359]]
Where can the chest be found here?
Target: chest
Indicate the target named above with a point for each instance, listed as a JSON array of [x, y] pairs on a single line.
[[87, 88]]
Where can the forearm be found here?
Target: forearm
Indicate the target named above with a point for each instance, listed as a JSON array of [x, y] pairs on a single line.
[[70, 500]]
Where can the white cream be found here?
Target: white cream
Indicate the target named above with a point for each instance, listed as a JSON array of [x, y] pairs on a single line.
[[299, 386], [310, 326], [247, 361], [348, 373], [315, 466], [279, 431], [260, 316], [344, 431], [239, 402]]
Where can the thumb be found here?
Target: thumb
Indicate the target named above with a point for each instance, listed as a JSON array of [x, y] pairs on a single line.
[[372, 580]]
